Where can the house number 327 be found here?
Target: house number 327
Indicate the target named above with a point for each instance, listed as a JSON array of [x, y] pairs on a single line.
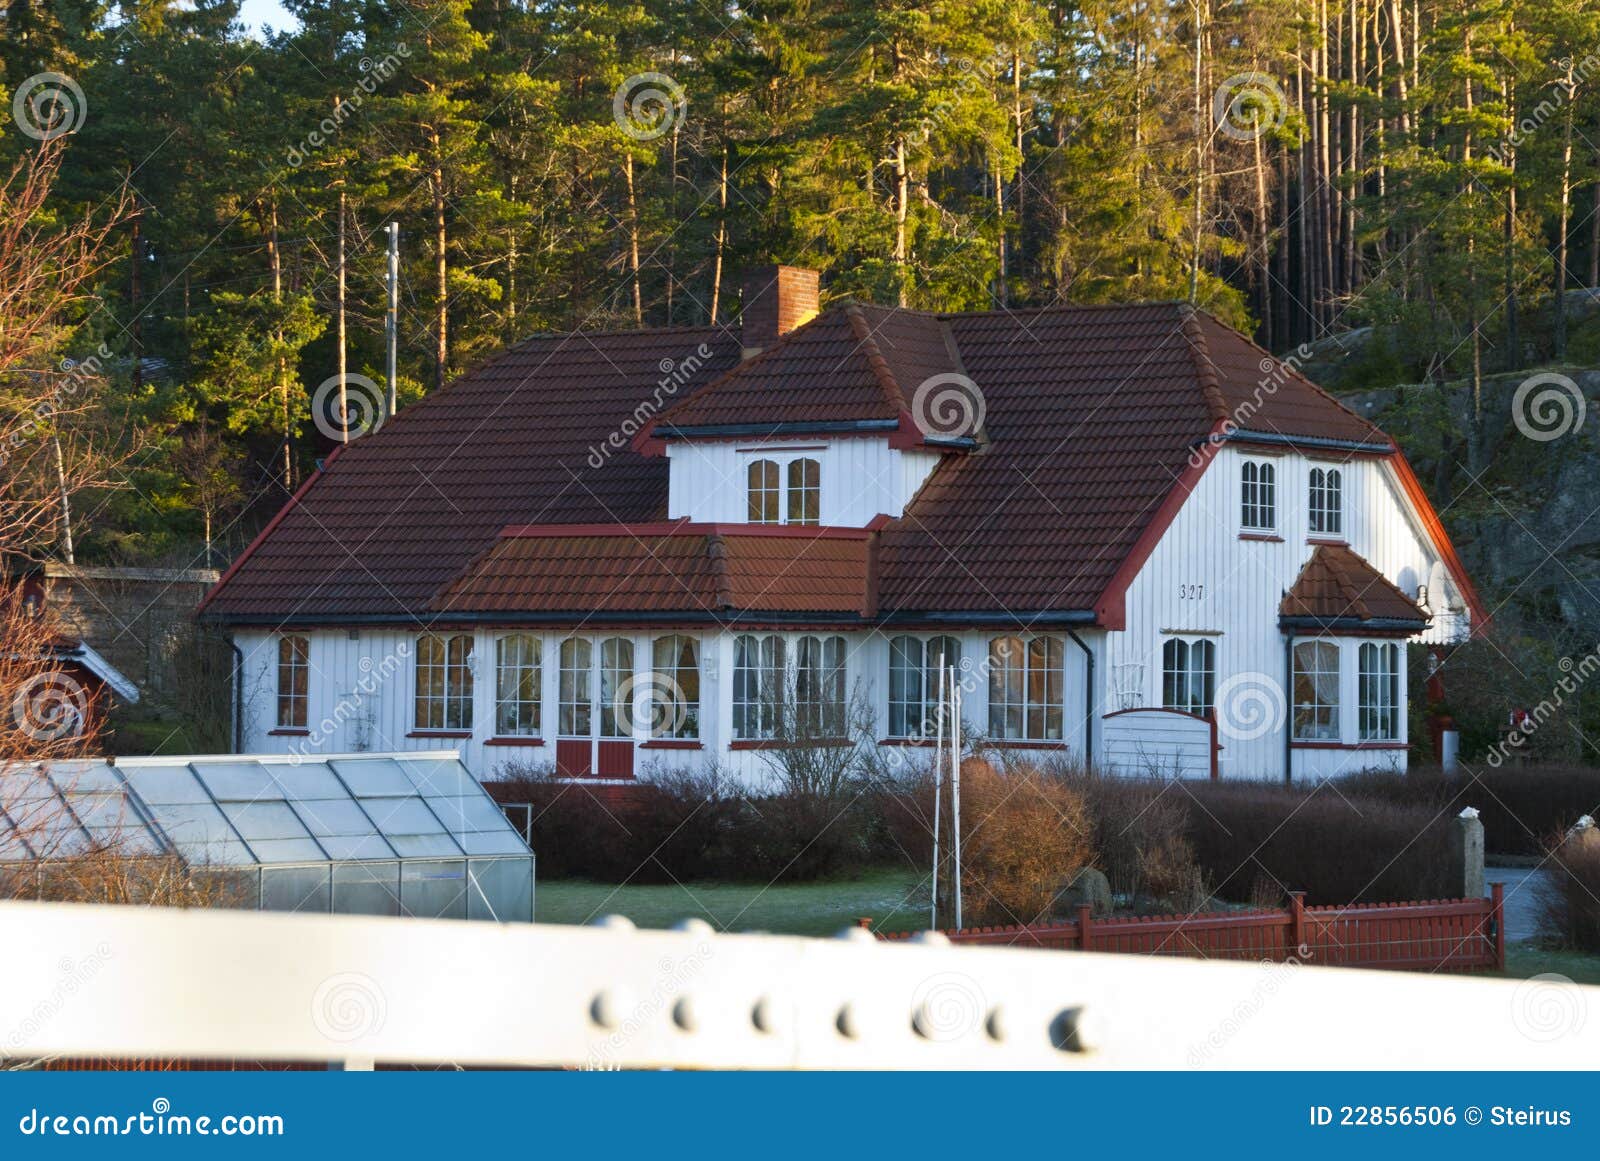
[[1191, 592]]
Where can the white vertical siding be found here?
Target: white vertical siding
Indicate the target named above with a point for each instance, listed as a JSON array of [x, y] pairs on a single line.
[[861, 477], [362, 686], [1203, 578]]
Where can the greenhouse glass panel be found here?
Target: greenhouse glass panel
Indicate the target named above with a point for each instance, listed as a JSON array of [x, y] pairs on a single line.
[[366, 888], [361, 834], [434, 890], [296, 889], [500, 889]]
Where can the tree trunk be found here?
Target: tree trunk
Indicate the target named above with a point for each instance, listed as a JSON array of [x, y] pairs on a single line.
[[633, 240], [441, 266]]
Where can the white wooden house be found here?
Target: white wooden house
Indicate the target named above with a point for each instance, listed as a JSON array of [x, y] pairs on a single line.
[[1142, 540]]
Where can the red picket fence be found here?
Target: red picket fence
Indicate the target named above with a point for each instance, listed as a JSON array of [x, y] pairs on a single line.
[[1450, 935]]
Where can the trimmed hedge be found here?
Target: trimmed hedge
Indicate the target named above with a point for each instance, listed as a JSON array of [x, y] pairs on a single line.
[[675, 826], [1524, 808]]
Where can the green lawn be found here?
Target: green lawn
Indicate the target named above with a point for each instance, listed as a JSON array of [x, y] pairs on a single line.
[[1524, 960], [889, 897]]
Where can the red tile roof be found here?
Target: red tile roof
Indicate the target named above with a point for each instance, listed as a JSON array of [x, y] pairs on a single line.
[[1091, 415], [1338, 589], [710, 570]]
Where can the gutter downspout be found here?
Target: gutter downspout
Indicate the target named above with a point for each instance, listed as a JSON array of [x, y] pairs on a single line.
[[1088, 697], [238, 693], [1288, 724]]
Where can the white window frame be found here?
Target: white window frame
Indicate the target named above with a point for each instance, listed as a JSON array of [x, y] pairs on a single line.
[[753, 514], [1013, 655], [913, 684], [518, 660], [787, 491], [675, 687], [298, 694], [1380, 705], [1258, 494], [1320, 677], [575, 700], [819, 687], [1189, 675], [759, 661], [453, 665], [1325, 501]]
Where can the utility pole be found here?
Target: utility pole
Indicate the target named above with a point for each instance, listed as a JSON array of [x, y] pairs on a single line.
[[391, 325]]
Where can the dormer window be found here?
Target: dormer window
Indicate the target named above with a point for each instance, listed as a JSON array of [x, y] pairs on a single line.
[[763, 492], [788, 492], [1325, 507], [1258, 496], [805, 490]]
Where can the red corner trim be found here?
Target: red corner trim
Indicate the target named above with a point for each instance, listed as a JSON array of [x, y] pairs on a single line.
[[645, 442], [305, 486], [1111, 609], [1441, 539]]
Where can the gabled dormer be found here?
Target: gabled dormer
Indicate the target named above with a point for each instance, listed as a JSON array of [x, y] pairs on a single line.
[[832, 418]]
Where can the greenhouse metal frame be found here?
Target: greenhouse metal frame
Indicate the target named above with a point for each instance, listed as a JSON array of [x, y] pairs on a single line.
[[363, 834]]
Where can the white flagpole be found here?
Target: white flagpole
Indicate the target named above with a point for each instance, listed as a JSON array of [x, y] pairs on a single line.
[[938, 785], [955, 784]]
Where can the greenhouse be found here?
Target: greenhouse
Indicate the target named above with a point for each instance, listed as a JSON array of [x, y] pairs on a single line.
[[362, 834]]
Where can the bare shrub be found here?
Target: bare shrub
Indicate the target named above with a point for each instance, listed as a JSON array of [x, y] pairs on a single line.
[[1570, 898], [1021, 833]]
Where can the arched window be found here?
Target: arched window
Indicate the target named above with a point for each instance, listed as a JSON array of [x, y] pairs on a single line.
[[1325, 507], [758, 678], [1026, 688], [1379, 702], [1316, 691], [294, 656], [575, 703], [805, 491], [518, 681], [675, 687], [616, 688], [819, 693], [1258, 496], [914, 665], [762, 490], [1188, 675], [444, 682]]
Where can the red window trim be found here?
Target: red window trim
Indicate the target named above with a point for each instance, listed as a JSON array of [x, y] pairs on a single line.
[[513, 740], [1025, 744], [1263, 537], [927, 743], [672, 744], [440, 734], [289, 732]]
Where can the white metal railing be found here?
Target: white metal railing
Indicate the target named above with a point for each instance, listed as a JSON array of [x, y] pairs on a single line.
[[89, 981]]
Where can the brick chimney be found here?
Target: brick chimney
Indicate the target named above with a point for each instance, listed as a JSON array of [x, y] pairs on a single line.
[[776, 300]]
